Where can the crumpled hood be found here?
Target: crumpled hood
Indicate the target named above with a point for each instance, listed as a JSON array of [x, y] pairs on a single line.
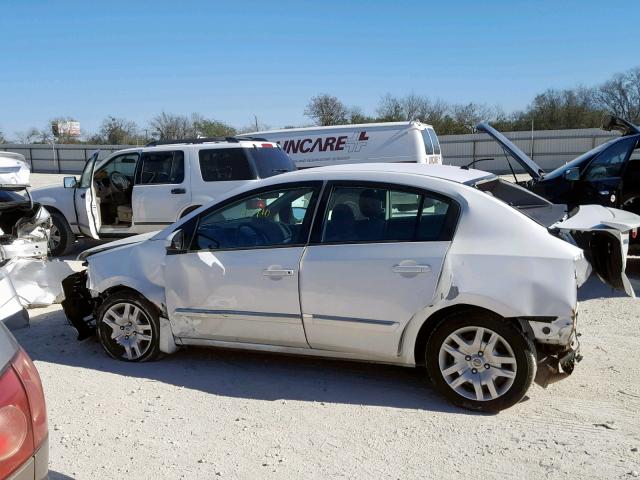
[[116, 244]]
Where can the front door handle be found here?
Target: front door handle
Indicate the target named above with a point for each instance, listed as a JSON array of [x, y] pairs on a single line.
[[411, 268], [277, 272], [177, 191]]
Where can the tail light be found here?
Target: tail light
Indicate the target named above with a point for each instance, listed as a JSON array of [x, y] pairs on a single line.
[[31, 381], [634, 233], [23, 417]]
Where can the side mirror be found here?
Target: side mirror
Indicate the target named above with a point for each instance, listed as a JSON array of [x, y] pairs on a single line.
[[174, 243], [70, 182], [572, 174]]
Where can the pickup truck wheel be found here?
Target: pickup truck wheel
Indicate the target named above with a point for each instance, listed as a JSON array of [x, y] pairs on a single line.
[[128, 327], [479, 361], [60, 236]]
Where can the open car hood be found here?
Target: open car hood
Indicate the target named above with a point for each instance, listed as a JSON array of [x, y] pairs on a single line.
[[603, 234], [531, 167]]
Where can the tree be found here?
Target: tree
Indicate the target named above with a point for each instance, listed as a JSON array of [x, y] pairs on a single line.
[[2, 139], [211, 128], [116, 131], [390, 109], [621, 95], [326, 110], [33, 135], [167, 126]]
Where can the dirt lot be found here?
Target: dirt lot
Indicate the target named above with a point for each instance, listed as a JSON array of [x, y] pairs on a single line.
[[208, 413], [212, 413]]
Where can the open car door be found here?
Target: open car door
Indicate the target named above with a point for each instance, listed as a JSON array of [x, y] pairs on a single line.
[[86, 201], [603, 234]]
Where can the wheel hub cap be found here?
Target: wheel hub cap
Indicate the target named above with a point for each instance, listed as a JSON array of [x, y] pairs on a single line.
[[130, 329], [477, 363]]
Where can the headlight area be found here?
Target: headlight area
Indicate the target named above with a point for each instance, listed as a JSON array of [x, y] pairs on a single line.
[[557, 346], [78, 305]]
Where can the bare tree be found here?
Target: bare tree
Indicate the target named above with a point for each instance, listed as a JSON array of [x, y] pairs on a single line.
[[168, 126], [326, 110], [204, 127], [29, 136], [390, 109], [621, 95]]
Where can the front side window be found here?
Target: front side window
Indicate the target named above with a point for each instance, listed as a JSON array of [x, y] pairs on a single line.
[[610, 162], [162, 168], [275, 218], [361, 214], [124, 164], [224, 164]]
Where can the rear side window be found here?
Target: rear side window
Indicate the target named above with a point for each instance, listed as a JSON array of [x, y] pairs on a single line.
[[434, 140], [161, 167], [224, 165], [362, 214], [270, 161], [428, 146]]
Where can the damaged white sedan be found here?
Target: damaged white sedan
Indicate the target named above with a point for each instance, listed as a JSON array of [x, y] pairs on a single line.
[[403, 264]]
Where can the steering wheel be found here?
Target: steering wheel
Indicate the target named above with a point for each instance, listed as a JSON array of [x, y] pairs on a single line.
[[250, 232], [120, 181]]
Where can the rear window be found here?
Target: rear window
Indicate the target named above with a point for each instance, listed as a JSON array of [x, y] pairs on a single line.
[[428, 146], [434, 140], [224, 165], [270, 161], [162, 167], [512, 194]]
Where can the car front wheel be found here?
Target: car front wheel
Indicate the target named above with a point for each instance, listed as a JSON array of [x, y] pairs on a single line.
[[60, 236], [128, 327], [479, 361]]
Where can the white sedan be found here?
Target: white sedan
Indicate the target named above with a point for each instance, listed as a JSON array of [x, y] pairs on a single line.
[[450, 268]]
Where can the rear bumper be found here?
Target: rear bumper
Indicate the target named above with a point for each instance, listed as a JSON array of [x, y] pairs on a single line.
[[37, 467], [556, 366]]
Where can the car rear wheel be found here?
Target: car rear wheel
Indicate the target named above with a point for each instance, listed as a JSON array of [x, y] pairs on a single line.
[[479, 361], [60, 236], [128, 327]]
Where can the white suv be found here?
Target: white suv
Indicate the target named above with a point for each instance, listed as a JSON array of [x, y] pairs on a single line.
[[140, 190]]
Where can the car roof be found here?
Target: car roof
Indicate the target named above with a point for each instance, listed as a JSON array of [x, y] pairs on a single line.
[[445, 172]]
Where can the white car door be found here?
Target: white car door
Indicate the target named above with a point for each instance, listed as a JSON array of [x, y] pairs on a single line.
[[85, 201], [161, 191], [237, 280], [373, 262]]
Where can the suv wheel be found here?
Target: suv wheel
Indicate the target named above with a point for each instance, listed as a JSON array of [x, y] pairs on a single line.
[[128, 327], [60, 236], [479, 361]]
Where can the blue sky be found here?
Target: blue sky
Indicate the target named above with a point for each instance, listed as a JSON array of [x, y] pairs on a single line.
[[230, 61]]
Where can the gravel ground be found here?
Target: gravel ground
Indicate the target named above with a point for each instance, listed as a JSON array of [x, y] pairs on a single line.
[[214, 413], [207, 413]]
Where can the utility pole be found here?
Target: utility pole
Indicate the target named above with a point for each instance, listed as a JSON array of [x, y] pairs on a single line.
[[256, 119]]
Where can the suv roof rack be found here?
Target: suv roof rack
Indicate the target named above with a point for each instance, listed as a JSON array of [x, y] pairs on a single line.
[[155, 143]]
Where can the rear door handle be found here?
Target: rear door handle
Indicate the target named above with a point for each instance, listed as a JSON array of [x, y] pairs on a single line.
[[177, 191], [275, 272], [411, 268]]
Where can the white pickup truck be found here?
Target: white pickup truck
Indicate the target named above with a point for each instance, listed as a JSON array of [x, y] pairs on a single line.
[[140, 190]]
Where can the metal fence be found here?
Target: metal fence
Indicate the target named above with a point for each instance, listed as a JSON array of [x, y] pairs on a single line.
[[549, 148], [60, 158]]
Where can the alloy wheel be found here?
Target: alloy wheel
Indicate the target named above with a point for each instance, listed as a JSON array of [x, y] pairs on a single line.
[[130, 329], [477, 363]]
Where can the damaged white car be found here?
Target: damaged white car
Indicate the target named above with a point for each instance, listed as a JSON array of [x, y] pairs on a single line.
[[451, 268], [25, 228]]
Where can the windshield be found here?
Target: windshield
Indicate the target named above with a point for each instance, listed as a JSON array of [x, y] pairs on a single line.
[[428, 146], [270, 161], [577, 162], [434, 140]]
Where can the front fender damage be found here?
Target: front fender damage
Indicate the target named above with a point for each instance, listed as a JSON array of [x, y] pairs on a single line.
[[80, 306]]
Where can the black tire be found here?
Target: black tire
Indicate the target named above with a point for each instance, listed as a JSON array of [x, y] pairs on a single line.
[[60, 247], [150, 349], [523, 351]]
